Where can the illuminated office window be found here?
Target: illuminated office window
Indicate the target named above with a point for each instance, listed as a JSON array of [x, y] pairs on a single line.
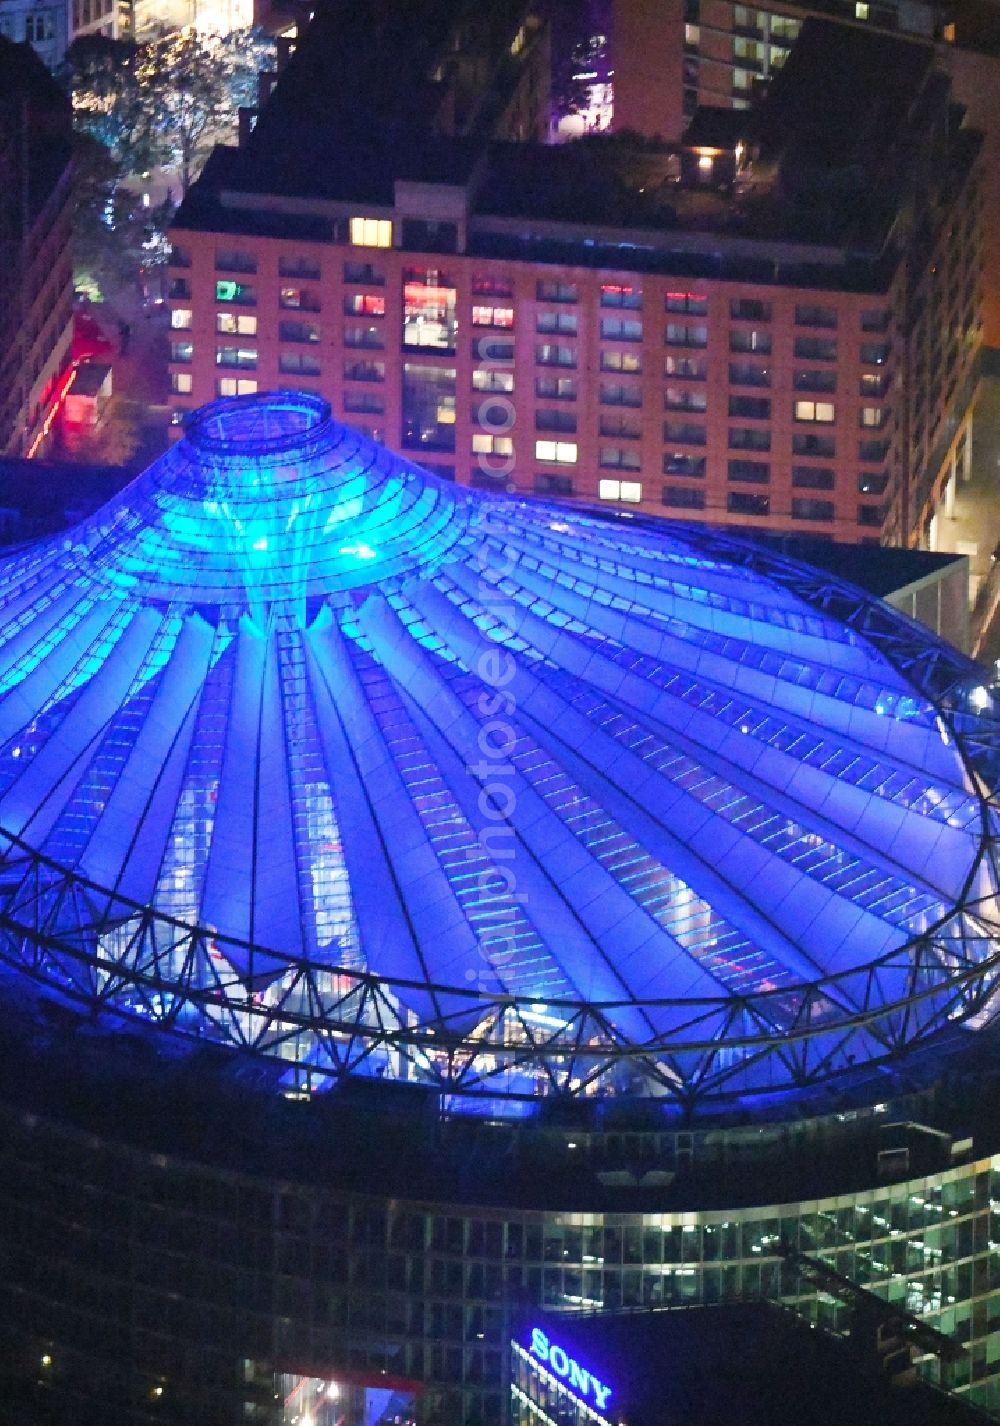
[[371, 232], [628, 491], [560, 452], [428, 309]]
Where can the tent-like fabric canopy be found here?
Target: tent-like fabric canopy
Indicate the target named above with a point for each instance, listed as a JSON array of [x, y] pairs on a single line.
[[305, 750]]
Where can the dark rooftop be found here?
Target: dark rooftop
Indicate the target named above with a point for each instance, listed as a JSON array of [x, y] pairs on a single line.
[[742, 1364], [833, 149]]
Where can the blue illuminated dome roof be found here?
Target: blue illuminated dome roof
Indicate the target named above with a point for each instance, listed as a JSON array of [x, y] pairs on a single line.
[[307, 752]]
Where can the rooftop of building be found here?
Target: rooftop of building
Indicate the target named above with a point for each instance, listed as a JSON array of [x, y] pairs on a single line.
[[816, 205], [750, 1363]]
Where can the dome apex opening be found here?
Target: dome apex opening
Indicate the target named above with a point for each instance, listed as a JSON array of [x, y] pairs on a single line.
[[271, 421]]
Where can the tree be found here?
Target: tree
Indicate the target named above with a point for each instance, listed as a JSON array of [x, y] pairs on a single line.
[[245, 55], [109, 102], [182, 77]]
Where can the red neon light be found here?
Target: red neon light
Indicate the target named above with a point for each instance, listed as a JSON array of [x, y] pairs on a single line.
[[54, 409]]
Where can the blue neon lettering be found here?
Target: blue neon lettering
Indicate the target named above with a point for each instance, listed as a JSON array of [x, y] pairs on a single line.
[[577, 1377]]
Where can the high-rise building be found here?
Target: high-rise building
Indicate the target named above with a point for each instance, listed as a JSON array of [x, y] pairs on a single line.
[[420, 910], [773, 324], [36, 270]]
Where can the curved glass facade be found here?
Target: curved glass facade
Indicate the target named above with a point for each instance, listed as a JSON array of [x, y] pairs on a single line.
[[133, 1270], [306, 752]]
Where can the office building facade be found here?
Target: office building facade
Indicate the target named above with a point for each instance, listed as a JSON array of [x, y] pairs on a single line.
[[693, 361]]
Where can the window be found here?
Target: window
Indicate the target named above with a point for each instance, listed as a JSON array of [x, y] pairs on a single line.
[[677, 463], [685, 398], [684, 433], [298, 265], [243, 294], [428, 309], [364, 272], [547, 291], [806, 508], [556, 388], [364, 370], [371, 232], [823, 446], [686, 368], [233, 260], [757, 408], [750, 472], [873, 450], [810, 315], [356, 334], [181, 382], [875, 320], [236, 385], [749, 309], [822, 411], [181, 351], [487, 316], [814, 379], [485, 444], [749, 438], [620, 393], [629, 491], [812, 477], [695, 304], [748, 502], [235, 324], [684, 334], [875, 353], [490, 349], [683, 497], [303, 363], [873, 482], [564, 322], [874, 383], [559, 452], [619, 458], [873, 416], [428, 407], [616, 423], [299, 299], [870, 514], [289, 331], [236, 356], [552, 354], [364, 304], [484, 379], [621, 329], [180, 289], [749, 373], [621, 361], [563, 419], [614, 295], [750, 340], [492, 287], [370, 401], [816, 348], [550, 483], [180, 318], [861, 9]]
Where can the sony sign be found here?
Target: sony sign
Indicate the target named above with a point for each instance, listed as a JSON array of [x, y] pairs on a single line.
[[576, 1377]]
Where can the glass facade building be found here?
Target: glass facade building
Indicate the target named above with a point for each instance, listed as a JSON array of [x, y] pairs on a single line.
[[648, 869]]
